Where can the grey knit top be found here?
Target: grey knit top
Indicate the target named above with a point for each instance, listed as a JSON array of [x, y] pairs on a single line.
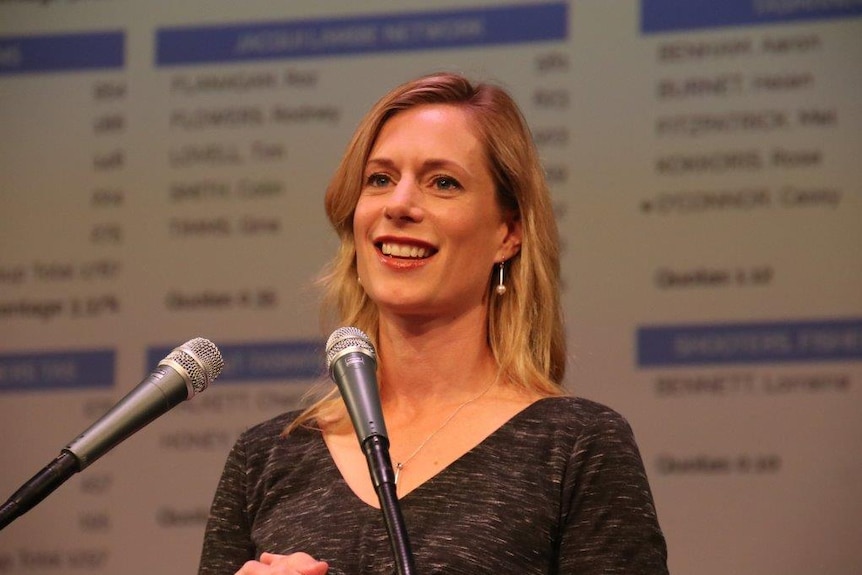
[[558, 489]]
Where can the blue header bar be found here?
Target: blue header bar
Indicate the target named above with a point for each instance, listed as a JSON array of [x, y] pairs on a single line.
[[57, 370], [659, 16], [256, 362], [746, 343], [347, 36], [62, 53]]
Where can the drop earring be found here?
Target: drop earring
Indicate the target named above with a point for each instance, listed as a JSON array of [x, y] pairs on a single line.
[[501, 286]]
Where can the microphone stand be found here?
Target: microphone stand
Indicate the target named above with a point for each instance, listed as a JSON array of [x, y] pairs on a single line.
[[376, 448], [39, 487]]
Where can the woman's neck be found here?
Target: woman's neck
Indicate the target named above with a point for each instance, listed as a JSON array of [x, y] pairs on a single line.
[[433, 363]]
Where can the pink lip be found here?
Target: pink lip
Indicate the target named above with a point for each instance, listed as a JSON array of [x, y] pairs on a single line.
[[401, 263]]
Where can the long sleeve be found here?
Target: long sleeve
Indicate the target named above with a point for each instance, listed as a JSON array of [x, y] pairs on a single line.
[[610, 524], [227, 540]]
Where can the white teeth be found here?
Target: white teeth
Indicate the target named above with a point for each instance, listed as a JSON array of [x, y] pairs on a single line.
[[403, 251]]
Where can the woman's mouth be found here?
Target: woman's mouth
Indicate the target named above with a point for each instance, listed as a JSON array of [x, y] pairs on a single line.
[[400, 250]]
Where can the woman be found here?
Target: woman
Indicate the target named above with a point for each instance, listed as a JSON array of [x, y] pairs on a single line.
[[449, 261]]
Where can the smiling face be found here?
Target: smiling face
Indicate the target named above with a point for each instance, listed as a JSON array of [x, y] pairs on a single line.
[[428, 226]]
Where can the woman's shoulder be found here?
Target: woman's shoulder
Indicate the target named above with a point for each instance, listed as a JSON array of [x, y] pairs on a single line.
[[570, 410], [264, 446], [269, 431], [573, 423]]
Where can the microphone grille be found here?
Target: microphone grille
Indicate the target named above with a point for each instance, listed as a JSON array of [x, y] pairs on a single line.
[[345, 337], [201, 359]]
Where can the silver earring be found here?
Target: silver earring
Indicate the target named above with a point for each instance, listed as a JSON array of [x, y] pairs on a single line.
[[501, 286]]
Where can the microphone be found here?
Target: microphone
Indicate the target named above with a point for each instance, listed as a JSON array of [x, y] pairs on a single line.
[[352, 364], [186, 371]]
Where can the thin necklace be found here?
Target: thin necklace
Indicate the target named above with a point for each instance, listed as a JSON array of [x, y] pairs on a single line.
[[399, 465]]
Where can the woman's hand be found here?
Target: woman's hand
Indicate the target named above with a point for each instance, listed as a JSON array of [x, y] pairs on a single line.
[[293, 564]]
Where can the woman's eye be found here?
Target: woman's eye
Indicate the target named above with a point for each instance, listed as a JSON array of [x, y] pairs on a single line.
[[447, 183], [377, 180]]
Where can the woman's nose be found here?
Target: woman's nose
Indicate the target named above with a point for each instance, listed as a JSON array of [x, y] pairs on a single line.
[[405, 202]]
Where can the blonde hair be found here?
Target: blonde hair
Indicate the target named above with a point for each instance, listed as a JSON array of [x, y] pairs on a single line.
[[525, 327]]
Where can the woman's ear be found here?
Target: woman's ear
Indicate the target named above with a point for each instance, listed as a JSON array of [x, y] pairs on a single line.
[[511, 243]]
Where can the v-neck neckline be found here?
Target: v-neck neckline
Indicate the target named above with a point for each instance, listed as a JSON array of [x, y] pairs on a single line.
[[332, 466]]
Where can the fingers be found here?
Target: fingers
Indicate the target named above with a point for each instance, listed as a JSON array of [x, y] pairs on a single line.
[[293, 564]]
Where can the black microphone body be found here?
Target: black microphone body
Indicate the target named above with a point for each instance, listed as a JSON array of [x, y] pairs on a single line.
[[162, 390], [354, 370], [187, 370], [352, 364]]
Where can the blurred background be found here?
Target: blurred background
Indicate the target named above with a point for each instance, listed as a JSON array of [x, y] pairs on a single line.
[[162, 169]]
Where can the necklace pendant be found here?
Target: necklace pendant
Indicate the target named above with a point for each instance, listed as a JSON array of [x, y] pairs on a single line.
[[398, 467]]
